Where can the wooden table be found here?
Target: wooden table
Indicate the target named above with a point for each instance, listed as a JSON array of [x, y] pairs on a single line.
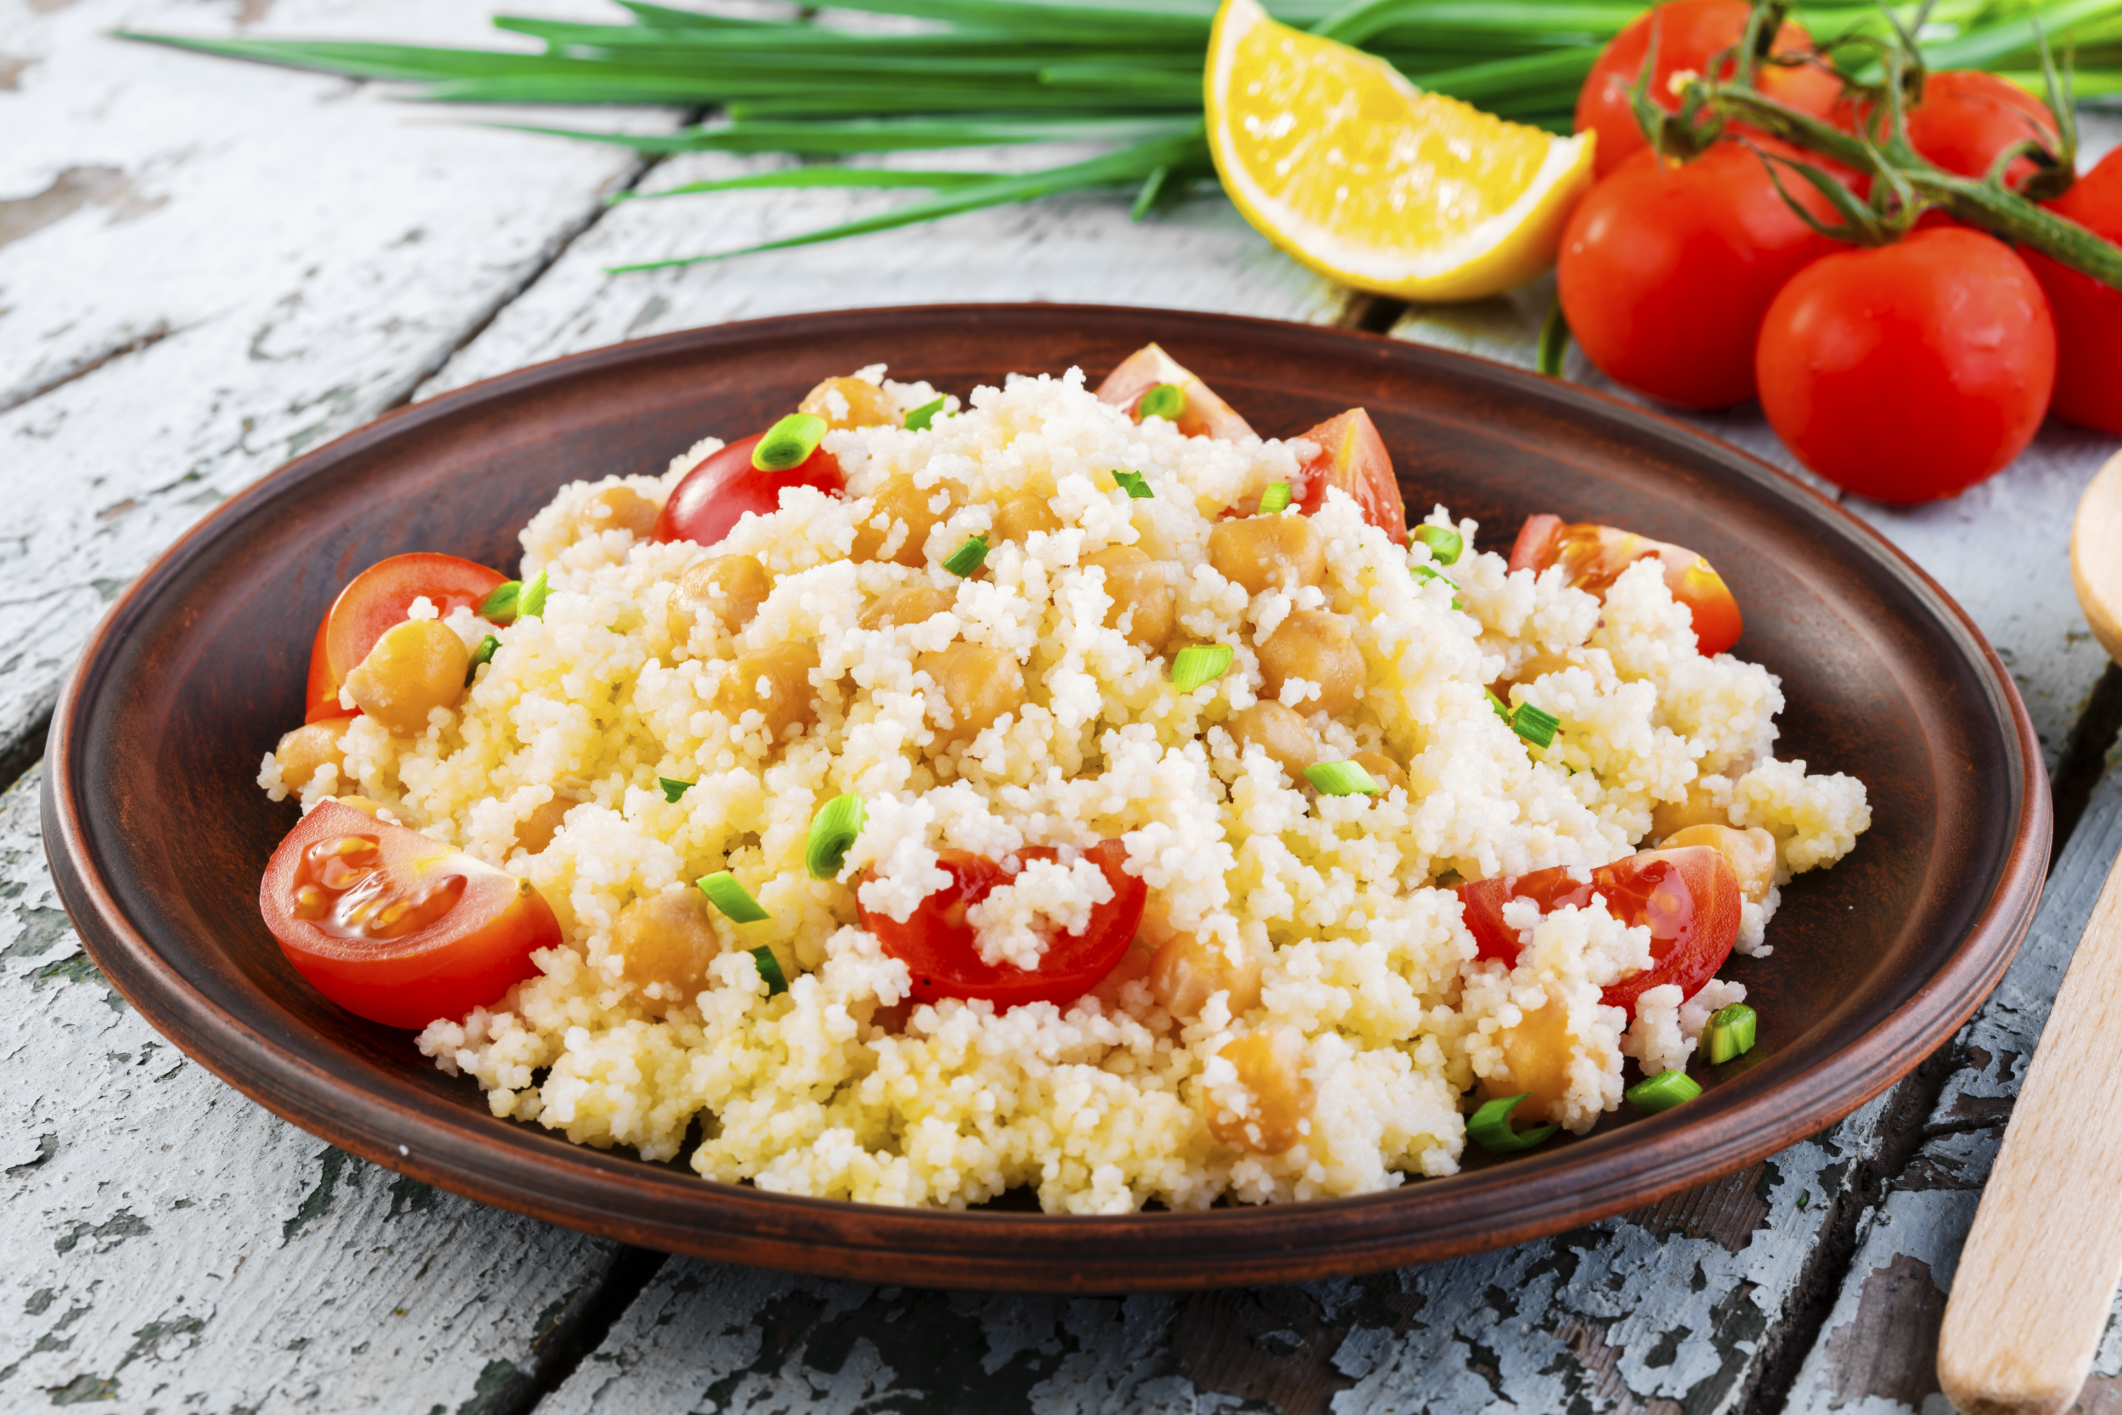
[[207, 267]]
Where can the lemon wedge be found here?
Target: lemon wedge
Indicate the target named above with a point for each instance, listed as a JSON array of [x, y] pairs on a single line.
[[1343, 163]]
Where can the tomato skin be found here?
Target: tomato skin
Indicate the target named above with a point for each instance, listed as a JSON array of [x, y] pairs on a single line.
[[1206, 415], [1353, 457], [1911, 371], [714, 495], [1689, 897], [468, 956], [2088, 314], [1593, 557], [1665, 272], [1690, 33], [375, 601], [1967, 118], [938, 946]]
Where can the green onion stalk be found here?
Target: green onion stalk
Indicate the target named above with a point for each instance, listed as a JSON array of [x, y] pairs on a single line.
[[1122, 75]]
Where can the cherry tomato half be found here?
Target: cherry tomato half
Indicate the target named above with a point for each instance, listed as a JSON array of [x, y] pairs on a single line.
[[1353, 457], [1911, 371], [374, 602], [1690, 33], [1689, 898], [1593, 557], [938, 945], [2088, 314], [394, 926], [1206, 414], [714, 496]]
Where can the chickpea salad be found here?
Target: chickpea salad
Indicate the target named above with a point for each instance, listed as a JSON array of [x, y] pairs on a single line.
[[1066, 789]]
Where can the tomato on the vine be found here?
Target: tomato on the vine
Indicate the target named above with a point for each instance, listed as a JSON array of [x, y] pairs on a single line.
[[1911, 371], [940, 949], [374, 602], [1689, 33], [1592, 557], [1353, 457], [714, 495], [395, 926], [1967, 120], [2088, 314], [1665, 271]]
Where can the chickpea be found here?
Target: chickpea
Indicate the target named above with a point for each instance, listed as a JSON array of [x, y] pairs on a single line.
[[860, 404], [665, 942], [786, 697], [1382, 768], [1317, 645], [1138, 587], [1669, 818], [1537, 666], [307, 748], [1188, 970], [1536, 1057], [900, 503], [729, 587], [1021, 514], [1750, 853], [915, 604], [1279, 731], [1267, 552], [1271, 1076], [414, 668], [980, 684], [618, 508], [536, 831]]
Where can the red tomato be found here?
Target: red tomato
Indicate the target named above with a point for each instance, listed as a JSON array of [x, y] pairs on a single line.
[[1353, 457], [1911, 371], [374, 602], [1594, 556], [1966, 121], [714, 496], [394, 926], [937, 944], [1665, 271], [1689, 897], [1690, 33], [1206, 415], [2088, 314]]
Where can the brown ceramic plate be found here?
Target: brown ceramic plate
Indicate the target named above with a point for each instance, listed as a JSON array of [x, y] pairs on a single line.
[[158, 836]]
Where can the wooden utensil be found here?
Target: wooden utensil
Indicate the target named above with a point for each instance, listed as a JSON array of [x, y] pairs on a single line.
[[2036, 1280]]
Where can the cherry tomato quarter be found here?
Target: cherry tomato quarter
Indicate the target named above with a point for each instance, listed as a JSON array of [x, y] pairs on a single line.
[[374, 602], [714, 495], [1206, 415], [1592, 558], [2088, 314], [1912, 371], [397, 927], [1353, 457]]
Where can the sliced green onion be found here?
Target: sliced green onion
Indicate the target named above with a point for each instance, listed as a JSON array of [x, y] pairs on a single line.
[[1135, 485], [1535, 725], [968, 557], [1429, 572], [532, 603], [499, 606], [832, 831], [1502, 708], [1662, 1092], [1445, 545], [1166, 401], [920, 418], [482, 654], [732, 898], [1731, 1033], [770, 970], [1197, 664], [1489, 1127], [1342, 779], [672, 790], [789, 443], [1275, 498]]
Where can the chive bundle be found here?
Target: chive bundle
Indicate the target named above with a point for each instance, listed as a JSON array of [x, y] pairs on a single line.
[[1489, 1127]]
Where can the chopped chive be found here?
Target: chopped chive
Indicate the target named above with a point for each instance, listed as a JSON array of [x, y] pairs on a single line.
[[1135, 485], [789, 443], [1166, 401], [1489, 1127], [1275, 498], [1429, 572], [532, 603], [482, 654], [1535, 725], [672, 790], [770, 970], [920, 418], [1502, 709], [1662, 1092], [968, 557], [1197, 664], [1342, 779], [1731, 1033], [733, 899], [499, 606], [832, 831], [1445, 545]]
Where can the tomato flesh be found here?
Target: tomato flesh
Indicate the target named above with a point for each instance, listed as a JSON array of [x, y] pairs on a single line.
[[1689, 898], [714, 495], [1353, 457], [1206, 414], [374, 602], [394, 926], [2088, 314], [1593, 557], [940, 949]]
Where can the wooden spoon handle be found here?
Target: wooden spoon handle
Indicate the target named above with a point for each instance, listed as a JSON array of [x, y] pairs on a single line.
[[2031, 1295]]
